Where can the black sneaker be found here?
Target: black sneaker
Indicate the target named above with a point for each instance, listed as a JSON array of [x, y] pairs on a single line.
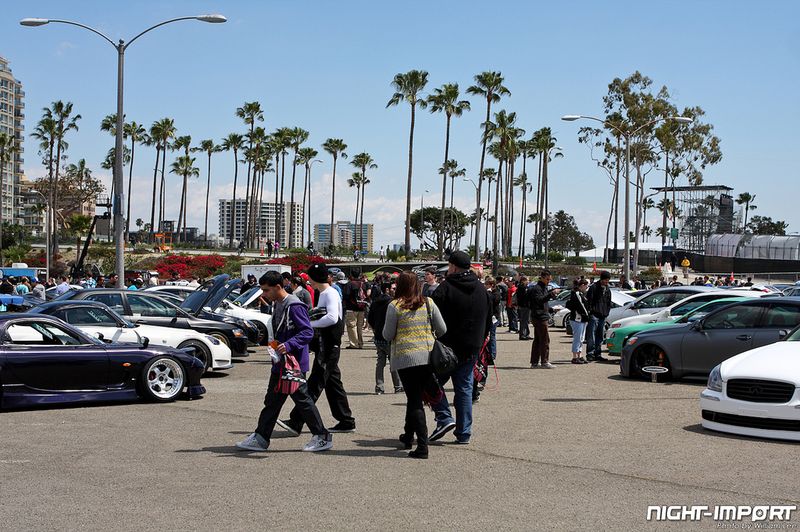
[[289, 427], [600, 359], [407, 440], [343, 427], [441, 430]]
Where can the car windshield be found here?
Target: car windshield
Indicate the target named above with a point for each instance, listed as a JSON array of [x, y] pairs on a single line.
[[244, 298], [196, 298], [702, 310], [794, 336]]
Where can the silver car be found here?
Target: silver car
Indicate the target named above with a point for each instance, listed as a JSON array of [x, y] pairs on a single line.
[[655, 301]]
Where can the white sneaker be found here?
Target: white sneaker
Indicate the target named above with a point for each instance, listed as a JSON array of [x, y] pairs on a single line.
[[548, 365], [254, 442], [536, 366], [319, 443]]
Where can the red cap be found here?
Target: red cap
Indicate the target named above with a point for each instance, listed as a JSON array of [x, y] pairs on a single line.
[[304, 276]]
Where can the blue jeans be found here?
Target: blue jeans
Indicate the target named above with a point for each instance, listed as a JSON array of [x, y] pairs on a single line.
[[512, 318], [462, 386], [595, 330], [578, 328], [493, 340]]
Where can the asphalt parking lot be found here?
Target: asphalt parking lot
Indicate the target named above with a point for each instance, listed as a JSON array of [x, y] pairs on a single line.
[[570, 448]]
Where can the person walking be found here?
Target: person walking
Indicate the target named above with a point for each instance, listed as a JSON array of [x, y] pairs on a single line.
[[465, 306], [410, 318], [430, 285], [599, 298], [523, 308], [578, 316], [355, 303], [325, 373], [299, 291], [376, 317], [293, 333], [269, 248], [538, 296], [511, 307]]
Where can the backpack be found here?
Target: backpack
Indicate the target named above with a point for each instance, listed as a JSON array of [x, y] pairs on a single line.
[[358, 299]]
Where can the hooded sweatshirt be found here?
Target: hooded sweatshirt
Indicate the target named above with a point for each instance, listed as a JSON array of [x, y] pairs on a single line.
[[466, 306], [293, 329]]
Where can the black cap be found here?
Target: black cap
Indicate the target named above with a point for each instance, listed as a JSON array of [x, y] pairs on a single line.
[[318, 272], [460, 259]]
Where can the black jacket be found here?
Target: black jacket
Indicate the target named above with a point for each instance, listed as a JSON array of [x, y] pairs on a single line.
[[538, 296], [376, 317], [522, 295], [599, 297], [466, 308], [578, 305]]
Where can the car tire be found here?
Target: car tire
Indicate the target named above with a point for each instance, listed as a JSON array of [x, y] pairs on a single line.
[[201, 351], [649, 355], [568, 327], [222, 338], [162, 379], [263, 333]]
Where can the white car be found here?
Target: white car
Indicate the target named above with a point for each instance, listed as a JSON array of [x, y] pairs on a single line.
[[618, 301], [181, 292], [683, 306], [98, 320], [756, 393]]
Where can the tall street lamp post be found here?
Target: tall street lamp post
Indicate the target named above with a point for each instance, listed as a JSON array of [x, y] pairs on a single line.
[[121, 46], [626, 266], [478, 216]]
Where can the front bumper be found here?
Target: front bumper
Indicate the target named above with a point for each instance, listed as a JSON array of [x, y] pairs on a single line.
[[625, 361], [760, 420], [239, 347], [198, 390]]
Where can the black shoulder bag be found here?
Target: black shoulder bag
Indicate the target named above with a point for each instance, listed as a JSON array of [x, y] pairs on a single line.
[[442, 358]]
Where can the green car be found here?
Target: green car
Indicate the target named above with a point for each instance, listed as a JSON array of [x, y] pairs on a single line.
[[617, 338]]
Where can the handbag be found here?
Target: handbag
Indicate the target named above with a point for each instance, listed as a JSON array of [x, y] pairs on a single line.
[[442, 358], [291, 376]]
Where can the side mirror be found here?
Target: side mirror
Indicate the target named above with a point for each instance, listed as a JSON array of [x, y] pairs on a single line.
[[208, 309], [144, 342], [697, 325], [100, 336], [783, 333]]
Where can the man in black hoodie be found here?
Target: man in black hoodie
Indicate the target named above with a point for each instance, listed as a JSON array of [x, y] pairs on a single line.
[[465, 306], [376, 317]]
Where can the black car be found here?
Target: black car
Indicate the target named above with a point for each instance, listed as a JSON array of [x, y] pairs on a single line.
[[46, 361], [148, 308]]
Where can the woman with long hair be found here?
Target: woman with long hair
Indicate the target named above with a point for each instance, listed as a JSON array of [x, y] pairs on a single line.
[[410, 319]]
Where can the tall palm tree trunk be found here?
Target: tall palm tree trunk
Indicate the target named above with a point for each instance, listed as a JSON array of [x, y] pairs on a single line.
[[303, 209], [208, 193], [309, 204], [537, 224], [444, 187], [277, 212], [284, 244], [155, 189], [130, 183], [664, 216], [361, 226], [408, 185], [480, 174], [488, 210], [355, 217], [233, 203], [333, 202], [162, 209], [292, 227]]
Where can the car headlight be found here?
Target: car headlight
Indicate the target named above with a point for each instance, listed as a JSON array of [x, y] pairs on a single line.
[[249, 324], [238, 333], [632, 340], [715, 379], [213, 340]]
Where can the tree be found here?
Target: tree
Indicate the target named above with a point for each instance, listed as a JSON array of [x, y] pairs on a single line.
[[565, 236], [763, 225], [746, 199], [544, 143], [488, 85], [445, 100], [139, 223], [355, 182], [306, 158], [297, 137], [425, 226], [233, 142], [78, 225], [407, 88], [362, 161], [78, 186], [282, 142], [336, 148], [137, 135], [250, 113], [209, 147], [184, 167], [8, 147], [160, 133]]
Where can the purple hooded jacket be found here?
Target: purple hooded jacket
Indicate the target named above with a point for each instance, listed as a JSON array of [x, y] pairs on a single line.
[[293, 329]]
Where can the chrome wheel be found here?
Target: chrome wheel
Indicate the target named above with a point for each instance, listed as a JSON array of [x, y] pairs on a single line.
[[222, 338], [163, 379]]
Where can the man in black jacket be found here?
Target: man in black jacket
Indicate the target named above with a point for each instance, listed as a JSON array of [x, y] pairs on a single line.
[[538, 296], [376, 317], [599, 296], [523, 309], [465, 306]]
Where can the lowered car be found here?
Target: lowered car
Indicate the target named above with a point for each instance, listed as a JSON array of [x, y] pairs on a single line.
[[756, 393], [144, 307], [181, 292], [655, 301], [100, 321], [618, 300], [695, 348], [46, 361]]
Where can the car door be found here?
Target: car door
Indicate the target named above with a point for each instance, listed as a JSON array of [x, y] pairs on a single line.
[[779, 316], [45, 356], [719, 336], [153, 311], [111, 299], [93, 320]]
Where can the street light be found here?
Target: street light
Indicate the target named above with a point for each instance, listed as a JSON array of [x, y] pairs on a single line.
[[626, 266], [120, 46], [422, 219]]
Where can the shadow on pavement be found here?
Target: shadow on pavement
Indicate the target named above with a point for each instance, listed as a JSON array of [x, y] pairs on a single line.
[[699, 429], [214, 375]]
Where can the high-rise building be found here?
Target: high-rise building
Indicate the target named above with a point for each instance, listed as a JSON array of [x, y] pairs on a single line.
[[265, 223], [31, 209], [11, 123], [345, 234]]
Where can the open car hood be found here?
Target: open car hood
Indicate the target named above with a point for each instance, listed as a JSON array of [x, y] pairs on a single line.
[[210, 294]]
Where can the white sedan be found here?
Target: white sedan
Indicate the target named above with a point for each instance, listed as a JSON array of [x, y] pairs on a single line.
[[756, 393], [618, 300], [101, 322]]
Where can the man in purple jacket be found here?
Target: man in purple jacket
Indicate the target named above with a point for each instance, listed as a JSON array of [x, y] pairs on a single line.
[[293, 332]]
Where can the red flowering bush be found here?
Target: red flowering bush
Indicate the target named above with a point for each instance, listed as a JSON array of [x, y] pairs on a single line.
[[183, 266]]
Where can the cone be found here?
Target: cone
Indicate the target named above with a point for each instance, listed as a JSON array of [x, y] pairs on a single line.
[[262, 252], [594, 267]]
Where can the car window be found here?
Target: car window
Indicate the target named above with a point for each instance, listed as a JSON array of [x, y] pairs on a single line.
[[735, 317], [660, 300], [149, 306], [112, 300], [89, 316], [40, 334], [689, 306], [782, 316]]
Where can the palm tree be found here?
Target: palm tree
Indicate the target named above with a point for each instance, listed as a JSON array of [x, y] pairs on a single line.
[[161, 132], [336, 148], [233, 142], [137, 134], [8, 147], [184, 167], [407, 89], [647, 203], [305, 156], [362, 161], [746, 199], [250, 113], [254, 154], [355, 181], [488, 85], [445, 100], [209, 147], [282, 138], [525, 187], [296, 138], [490, 175], [545, 145], [505, 132]]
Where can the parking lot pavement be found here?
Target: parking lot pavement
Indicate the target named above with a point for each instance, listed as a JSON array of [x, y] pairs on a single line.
[[570, 448]]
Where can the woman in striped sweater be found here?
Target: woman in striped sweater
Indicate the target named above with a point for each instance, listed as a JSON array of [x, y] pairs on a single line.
[[409, 320]]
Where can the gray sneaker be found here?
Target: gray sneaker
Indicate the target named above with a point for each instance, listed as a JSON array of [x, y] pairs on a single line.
[[536, 366], [254, 442], [319, 443], [548, 365]]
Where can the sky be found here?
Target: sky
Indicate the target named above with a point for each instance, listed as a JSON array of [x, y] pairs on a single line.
[[327, 66]]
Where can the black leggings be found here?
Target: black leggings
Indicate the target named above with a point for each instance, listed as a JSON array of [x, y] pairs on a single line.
[[415, 379]]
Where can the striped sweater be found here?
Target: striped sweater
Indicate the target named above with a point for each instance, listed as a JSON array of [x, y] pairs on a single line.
[[410, 334]]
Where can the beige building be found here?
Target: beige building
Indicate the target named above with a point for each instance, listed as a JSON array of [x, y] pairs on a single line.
[[345, 234], [11, 122], [31, 208]]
